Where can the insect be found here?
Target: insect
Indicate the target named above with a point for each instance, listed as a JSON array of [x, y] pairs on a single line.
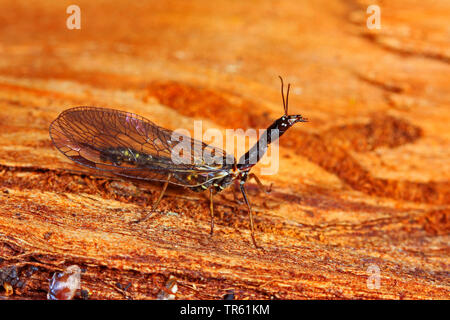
[[128, 145]]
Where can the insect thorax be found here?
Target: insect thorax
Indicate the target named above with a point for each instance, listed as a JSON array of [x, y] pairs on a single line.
[[218, 184]]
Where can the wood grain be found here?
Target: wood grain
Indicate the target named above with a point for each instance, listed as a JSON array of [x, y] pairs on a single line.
[[364, 186]]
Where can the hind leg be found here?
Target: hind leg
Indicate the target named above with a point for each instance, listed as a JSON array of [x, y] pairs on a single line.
[[155, 205]]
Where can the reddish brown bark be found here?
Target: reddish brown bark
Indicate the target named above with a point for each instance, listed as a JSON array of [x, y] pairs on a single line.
[[364, 185]]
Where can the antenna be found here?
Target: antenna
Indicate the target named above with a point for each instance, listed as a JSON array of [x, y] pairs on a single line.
[[282, 95], [285, 102], [287, 99]]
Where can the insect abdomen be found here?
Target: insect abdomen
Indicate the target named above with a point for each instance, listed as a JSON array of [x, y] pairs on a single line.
[[129, 156]]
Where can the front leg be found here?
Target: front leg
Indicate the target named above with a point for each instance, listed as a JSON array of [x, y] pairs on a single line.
[[261, 187]]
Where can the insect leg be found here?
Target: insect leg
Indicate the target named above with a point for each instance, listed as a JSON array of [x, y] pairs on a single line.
[[252, 229], [260, 184], [234, 189], [211, 209], [155, 205]]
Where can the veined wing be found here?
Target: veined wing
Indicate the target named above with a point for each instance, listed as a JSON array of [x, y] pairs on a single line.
[[131, 146]]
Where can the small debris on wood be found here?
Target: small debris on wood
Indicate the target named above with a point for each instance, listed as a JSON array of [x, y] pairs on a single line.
[[124, 288], [229, 295], [84, 294], [9, 279], [64, 285], [168, 292]]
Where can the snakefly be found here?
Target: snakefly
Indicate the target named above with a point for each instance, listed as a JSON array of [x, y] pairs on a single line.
[[128, 145]]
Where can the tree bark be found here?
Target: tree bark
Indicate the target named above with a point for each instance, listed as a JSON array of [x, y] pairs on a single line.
[[360, 203]]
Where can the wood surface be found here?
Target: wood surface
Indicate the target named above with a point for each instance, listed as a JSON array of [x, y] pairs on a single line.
[[364, 186]]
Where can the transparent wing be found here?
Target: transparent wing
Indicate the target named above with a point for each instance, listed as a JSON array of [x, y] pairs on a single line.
[[131, 146]]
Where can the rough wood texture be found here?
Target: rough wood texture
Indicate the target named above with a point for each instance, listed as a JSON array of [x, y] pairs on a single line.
[[365, 184]]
